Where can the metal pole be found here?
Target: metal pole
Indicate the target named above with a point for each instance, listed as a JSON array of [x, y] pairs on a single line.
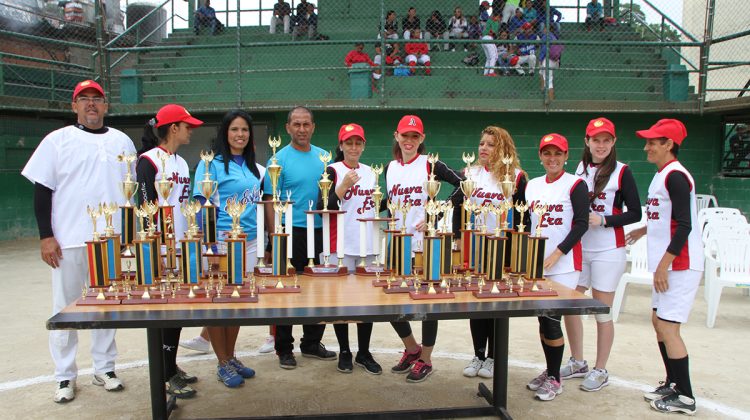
[[546, 56], [382, 53], [103, 77], [631, 12], [704, 54], [239, 57]]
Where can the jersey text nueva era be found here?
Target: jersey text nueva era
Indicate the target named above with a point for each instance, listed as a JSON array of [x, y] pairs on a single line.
[[405, 183]]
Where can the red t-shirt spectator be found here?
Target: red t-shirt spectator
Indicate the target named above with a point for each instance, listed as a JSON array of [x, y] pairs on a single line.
[[355, 56], [416, 48]]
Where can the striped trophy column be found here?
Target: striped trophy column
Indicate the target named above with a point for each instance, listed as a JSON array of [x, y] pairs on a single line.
[[235, 261], [191, 260], [98, 265]]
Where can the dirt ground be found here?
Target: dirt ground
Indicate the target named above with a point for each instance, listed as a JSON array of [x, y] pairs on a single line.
[[718, 358]]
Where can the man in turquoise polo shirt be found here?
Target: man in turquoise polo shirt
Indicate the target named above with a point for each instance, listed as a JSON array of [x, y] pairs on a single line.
[[301, 170]]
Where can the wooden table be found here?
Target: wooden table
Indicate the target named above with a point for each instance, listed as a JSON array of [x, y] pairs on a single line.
[[332, 299]]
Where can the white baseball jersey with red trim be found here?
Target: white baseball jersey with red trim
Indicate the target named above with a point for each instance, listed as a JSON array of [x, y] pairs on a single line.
[[405, 183], [558, 220], [178, 172], [661, 226], [357, 203], [488, 190], [599, 238]]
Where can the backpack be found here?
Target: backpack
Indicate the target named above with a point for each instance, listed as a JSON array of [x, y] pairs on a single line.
[[401, 71]]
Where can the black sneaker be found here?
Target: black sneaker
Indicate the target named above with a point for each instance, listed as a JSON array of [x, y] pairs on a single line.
[[660, 392], [178, 388], [345, 362], [320, 353], [407, 359], [287, 361], [419, 372], [675, 403], [366, 361], [188, 378]]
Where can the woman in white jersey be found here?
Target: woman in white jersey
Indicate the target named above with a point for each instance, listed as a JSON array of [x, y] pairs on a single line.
[[611, 187], [163, 136], [675, 256], [494, 144], [237, 175], [353, 183], [564, 223], [405, 177]]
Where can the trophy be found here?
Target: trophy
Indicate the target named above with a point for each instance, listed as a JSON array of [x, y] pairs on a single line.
[[208, 188], [535, 255], [163, 190], [274, 169], [279, 257], [191, 257], [97, 251], [433, 243], [399, 243], [324, 183], [375, 227], [467, 234], [235, 242], [114, 266], [128, 188], [519, 242], [446, 231], [147, 261]]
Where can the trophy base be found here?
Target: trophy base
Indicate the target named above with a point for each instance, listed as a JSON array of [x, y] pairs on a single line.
[[540, 292], [272, 289], [486, 293], [423, 295], [94, 302], [141, 301], [197, 299], [324, 271], [397, 289], [370, 270], [268, 271], [240, 299]]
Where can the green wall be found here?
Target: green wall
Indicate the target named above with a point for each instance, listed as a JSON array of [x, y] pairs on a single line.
[[448, 133]]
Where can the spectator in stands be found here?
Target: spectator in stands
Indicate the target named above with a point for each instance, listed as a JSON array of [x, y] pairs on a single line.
[[410, 23], [594, 15], [301, 9], [206, 16], [490, 49], [554, 20], [306, 23], [526, 52], [515, 23], [392, 57], [530, 14], [417, 53], [484, 14], [357, 55], [282, 13], [555, 52], [435, 28], [457, 27], [390, 29], [739, 145], [506, 9], [474, 30], [503, 54]]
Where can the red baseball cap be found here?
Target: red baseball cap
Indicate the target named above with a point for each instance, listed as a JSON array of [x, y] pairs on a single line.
[[350, 130], [600, 125], [554, 139], [526, 25], [172, 113], [87, 84], [485, 4], [410, 123], [669, 128]]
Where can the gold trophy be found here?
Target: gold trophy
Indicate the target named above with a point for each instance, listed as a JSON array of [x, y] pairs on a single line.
[[519, 242], [467, 188], [191, 261], [274, 169], [113, 241], [208, 189], [539, 210], [324, 183], [376, 196], [128, 187], [235, 242], [97, 251], [188, 209], [163, 190]]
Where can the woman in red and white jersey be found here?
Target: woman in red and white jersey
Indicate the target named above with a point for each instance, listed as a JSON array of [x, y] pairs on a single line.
[[353, 183], [564, 223], [405, 177], [611, 188], [494, 144], [675, 256]]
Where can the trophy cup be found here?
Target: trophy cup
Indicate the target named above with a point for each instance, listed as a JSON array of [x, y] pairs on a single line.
[[375, 224], [235, 242], [163, 190], [114, 265], [208, 189], [433, 243], [128, 187], [535, 254], [97, 252], [273, 172], [326, 268], [280, 266], [191, 257], [467, 234], [519, 242]]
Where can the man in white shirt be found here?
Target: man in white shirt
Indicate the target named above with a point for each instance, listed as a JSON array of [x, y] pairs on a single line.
[[74, 167]]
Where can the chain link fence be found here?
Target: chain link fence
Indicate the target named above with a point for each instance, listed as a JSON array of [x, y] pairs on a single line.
[[626, 55]]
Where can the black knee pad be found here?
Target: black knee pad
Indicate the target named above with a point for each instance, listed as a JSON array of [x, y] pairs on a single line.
[[550, 327]]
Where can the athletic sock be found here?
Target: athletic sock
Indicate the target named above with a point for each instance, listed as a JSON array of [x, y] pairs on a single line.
[[342, 335], [479, 333], [364, 332], [665, 359], [554, 361], [681, 376]]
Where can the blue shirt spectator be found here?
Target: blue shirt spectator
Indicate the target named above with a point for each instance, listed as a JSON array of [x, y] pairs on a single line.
[[527, 49], [206, 16], [594, 10], [515, 22]]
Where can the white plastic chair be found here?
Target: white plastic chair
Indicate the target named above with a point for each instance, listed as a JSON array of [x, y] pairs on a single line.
[[638, 274], [705, 200], [713, 212], [713, 234], [733, 271]]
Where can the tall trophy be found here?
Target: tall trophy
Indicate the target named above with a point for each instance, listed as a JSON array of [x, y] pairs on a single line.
[[372, 224], [97, 252], [481, 236], [235, 242], [163, 190], [191, 260], [273, 171], [114, 265], [535, 255], [128, 187], [147, 247], [280, 266], [208, 189], [326, 268], [467, 233], [399, 243], [519, 242], [433, 243]]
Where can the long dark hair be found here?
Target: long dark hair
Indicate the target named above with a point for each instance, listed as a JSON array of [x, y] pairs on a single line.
[[603, 170], [152, 136], [221, 143]]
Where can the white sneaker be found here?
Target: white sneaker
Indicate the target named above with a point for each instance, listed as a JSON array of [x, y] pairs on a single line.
[[66, 391], [537, 382], [473, 368], [109, 381], [595, 380], [267, 347], [487, 369], [549, 389], [199, 344], [574, 369]]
